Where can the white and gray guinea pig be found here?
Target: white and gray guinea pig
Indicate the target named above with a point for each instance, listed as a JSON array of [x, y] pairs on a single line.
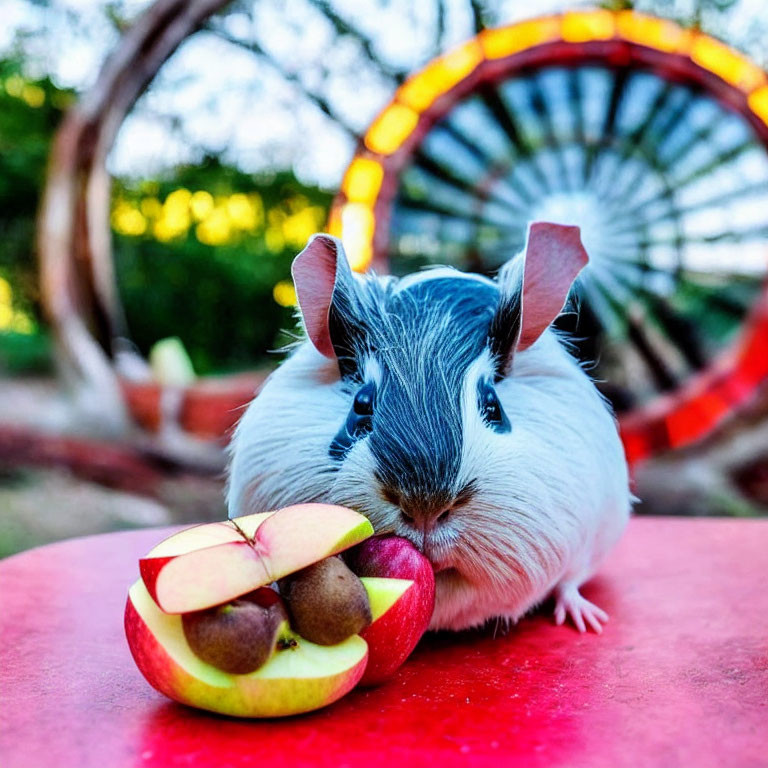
[[443, 407]]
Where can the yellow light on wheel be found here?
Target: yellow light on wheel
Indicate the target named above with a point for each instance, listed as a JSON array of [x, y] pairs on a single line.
[[726, 63], [362, 180], [391, 128], [581, 27], [655, 33], [758, 103], [421, 90], [498, 43], [357, 225]]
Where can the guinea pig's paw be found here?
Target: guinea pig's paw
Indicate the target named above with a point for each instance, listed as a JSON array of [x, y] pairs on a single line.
[[569, 602]]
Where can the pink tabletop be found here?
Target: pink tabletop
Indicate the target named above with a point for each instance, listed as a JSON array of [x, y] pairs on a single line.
[[679, 677]]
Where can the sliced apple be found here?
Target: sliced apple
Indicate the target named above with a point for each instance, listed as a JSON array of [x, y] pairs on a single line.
[[299, 677], [212, 564], [397, 629], [384, 593]]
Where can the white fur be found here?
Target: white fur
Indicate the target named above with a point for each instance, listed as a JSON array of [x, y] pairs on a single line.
[[552, 496]]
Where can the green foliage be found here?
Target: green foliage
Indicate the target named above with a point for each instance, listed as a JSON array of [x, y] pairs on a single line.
[[25, 352], [30, 110], [215, 293], [218, 298]]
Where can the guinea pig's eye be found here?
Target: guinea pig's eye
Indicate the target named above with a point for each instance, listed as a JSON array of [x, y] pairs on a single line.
[[490, 408], [359, 422], [363, 403]]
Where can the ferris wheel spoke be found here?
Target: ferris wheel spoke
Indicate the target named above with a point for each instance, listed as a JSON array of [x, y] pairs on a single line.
[[655, 353], [606, 308], [753, 233], [671, 305], [645, 146], [485, 161], [579, 139], [542, 106], [525, 111], [660, 371], [680, 330], [628, 187], [659, 354], [642, 206], [531, 186], [664, 160], [576, 99], [677, 328], [421, 187], [672, 156], [713, 163], [499, 112], [478, 190], [594, 151], [718, 161], [477, 216], [715, 202], [637, 144], [517, 139]]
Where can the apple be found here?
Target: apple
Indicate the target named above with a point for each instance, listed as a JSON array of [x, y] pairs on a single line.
[[299, 676], [211, 564], [398, 629], [206, 630]]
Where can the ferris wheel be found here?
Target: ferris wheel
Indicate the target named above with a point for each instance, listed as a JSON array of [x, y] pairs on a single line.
[[650, 137]]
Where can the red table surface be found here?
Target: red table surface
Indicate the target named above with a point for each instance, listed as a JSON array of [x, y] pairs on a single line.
[[679, 677]]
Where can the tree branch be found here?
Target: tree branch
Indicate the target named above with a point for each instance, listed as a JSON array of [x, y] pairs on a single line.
[[319, 101], [478, 15], [343, 27]]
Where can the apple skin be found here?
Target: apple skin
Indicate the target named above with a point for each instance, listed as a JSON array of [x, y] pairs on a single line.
[[393, 636], [212, 564], [252, 695]]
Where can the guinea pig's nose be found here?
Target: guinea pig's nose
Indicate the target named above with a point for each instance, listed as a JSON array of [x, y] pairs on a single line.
[[422, 511], [414, 518], [424, 516]]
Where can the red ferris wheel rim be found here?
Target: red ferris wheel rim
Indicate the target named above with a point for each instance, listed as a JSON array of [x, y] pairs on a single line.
[[361, 211]]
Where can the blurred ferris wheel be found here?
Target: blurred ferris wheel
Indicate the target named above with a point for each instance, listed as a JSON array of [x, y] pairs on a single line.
[[652, 138]]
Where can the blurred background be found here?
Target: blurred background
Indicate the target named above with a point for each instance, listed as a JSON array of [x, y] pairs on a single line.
[[160, 166]]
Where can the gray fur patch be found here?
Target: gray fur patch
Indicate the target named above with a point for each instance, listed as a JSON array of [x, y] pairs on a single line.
[[424, 337]]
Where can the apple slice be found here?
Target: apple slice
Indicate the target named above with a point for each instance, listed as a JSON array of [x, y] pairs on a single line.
[[212, 564], [384, 593], [393, 635], [299, 677]]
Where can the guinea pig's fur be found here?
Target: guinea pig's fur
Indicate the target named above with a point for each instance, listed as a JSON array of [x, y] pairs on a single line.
[[521, 504]]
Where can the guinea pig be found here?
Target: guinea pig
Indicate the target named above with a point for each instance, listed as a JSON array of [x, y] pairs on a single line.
[[444, 407]]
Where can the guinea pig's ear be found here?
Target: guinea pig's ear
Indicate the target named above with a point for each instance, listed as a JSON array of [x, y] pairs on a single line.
[[534, 292], [324, 287], [554, 257]]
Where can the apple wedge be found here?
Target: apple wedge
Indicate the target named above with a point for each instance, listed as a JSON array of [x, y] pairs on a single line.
[[299, 677], [396, 631], [212, 564]]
